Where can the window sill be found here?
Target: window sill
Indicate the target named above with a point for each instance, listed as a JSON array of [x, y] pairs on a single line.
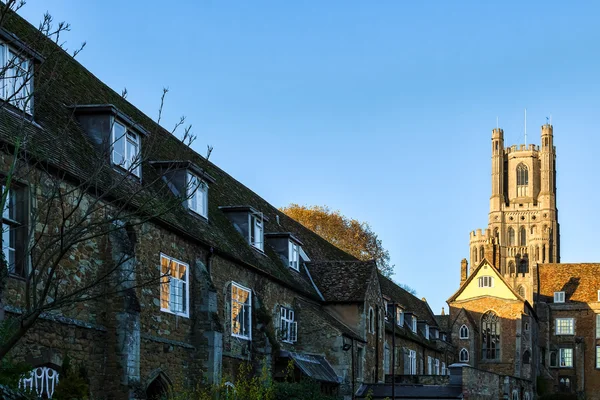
[[198, 215], [186, 315], [17, 277], [127, 173], [288, 341], [248, 338]]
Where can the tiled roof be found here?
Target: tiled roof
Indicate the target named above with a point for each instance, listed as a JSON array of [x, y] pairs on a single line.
[[56, 139], [336, 323], [443, 322], [342, 281], [578, 281], [411, 304]]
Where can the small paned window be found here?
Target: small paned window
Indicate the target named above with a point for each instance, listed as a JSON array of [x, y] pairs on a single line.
[[464, 355], [564, 326], [597, 326], [597, 356], [12, 231], [174, 286], [559, 297], [412, 356], [257, 231], [399, 316], [522, 180], [429, 365], [464, 332], [523, 236], [426, 331], [485, 281], [17, 80], [241, 312], [197, 195], [490, 336], [294, 255], [566, 358], [289, 326], [414, 324], [443, 368], [126, 149], [436, 369]]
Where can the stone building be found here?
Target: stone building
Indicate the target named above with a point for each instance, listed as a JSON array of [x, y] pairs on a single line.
[[220, 279]]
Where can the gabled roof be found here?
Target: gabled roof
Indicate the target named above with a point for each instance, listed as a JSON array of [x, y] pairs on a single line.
[[342, 281], [57, 140], [484, 264], [443, 322], [411, 304], [474, 324]]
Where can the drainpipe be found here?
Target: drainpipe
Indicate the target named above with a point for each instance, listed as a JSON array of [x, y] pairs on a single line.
[[353, 377]]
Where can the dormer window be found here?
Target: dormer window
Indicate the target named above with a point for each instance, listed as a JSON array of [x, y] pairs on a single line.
[[559, 297], [257, 231], [294, 255], [414, 324], [17, 83], [126, 149], [197, 194], [426, 331]]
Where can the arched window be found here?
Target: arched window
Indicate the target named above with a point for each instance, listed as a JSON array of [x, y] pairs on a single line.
[[490, 336], [464, 355], [159, 388], [553, 359], [511, 237], [464, 332], [497, 235], [537, 253], [371, 320], [474, 254], [533, 229], [41, 380], [526, 357], [521, 291], [481, 253], [523, 266], [511, 267], [522, 180], [523, 236], [564, 385]]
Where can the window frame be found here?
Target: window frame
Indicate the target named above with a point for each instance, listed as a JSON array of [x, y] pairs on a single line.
[[7, 53], [256, 221], [570, 327], [436, 366], [414, 326], [460, 355], [429, 365], [598, 326], [288, 325], [561, 357], [186, 301], [201, 191], [293, 255], [243, 288], [412, 357], [371, 320], [460, 332], [127, 137], [486, 281], [559, 297]]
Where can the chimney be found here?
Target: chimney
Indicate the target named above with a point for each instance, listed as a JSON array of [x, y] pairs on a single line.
[[463, 271], [443, 311]]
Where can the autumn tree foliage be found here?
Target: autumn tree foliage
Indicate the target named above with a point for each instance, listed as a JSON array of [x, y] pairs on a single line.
[[353, 236]]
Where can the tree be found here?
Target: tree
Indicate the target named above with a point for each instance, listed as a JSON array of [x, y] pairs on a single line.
[[350, 235], [76, 199]]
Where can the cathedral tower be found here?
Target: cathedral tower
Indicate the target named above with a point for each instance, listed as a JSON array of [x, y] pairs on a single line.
[[523, 220]]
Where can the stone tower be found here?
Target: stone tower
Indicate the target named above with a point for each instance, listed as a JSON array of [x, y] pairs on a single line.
[[523, 220]]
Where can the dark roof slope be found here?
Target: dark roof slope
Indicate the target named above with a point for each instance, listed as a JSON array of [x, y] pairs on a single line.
[[342, 281], [407, 300], [443, 322], [59, 141], [336, 323], [578, 281]]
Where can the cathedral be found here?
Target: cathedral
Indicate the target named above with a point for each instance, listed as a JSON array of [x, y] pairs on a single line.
[[519, 311]]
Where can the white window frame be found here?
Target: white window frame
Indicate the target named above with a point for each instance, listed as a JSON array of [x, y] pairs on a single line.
[[485, 281], [244, 308], [597, 326], [561, 356], [559, 297], [443, 368], [460, 355], [515, 394], [129, 137], [426, 331], [597, 357], [12, 56], [197, 193], [399, 316], [436, 366], [174, 284], [294, 255], [460, 332], [9, 230], [414, 324], [412, 356], [564, 326], [429, 365], [288, 325], [256, 225], [387, 355]]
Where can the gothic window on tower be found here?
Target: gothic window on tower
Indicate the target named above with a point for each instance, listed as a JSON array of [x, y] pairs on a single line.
[[490, 336], [481, 253], [511, 267], [523, 236], [474, 254], [511, 237], [523, 267], [522, 180]]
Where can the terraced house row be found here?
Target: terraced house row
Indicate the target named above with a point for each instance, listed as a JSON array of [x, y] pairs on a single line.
[[155, 270]]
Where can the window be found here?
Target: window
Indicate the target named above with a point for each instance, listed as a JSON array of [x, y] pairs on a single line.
[[11, 230], [526, 396], [294, 255], [399, 316], [511, 237], [443, 368], [515, 394], [174, 286], [598, 295], [564, 326], [522, 180], [412, 357], [426, 331], [597, 326], [197, 195], [289, 327], [521, 291], [126, 149], [486, 281], [564, 385], [481, 253], [256, 231], [463, 355], [511, 267], [553, 362], [559, 297], [436, 369], [526, 357], [414, 324], [429, 365], [523, 237], [359, 363], [42, 380], [371, 321], [241, 312], [17, 82], [566, 358], [386, 359], [526, 326], [597, 356], [464, 332], [490, 336]]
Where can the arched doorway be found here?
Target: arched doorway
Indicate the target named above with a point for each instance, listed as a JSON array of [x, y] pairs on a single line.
[[159, 388]]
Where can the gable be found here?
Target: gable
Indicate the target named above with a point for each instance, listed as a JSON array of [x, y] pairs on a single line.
[[499, 288]]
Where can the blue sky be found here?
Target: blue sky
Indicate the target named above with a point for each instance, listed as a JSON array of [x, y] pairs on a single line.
[[383, 110]]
